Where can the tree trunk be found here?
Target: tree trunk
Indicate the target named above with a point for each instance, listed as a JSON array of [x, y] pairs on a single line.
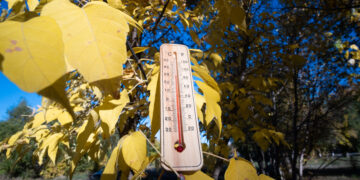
[[294, 126], [217, 170], [301, 164]]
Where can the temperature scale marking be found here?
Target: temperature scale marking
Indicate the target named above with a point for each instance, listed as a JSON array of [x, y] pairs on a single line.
[[180, 137]]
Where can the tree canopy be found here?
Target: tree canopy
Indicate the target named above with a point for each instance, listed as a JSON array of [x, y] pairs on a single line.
[[273, 80]]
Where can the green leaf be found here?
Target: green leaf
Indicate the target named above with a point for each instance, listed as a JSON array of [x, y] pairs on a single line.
[[26, 49]]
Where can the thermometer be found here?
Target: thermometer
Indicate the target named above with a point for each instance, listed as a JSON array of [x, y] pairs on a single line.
[[180, 137]]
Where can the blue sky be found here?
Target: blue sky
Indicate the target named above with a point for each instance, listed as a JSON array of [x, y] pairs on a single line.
[[10, 96]]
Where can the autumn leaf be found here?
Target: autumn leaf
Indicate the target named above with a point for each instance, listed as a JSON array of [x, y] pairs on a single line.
[[97, 52], [202, 73], [134, 150], [137, 50], [110, 111], [213, 109], [27, 51], [154, 107], [195, 37], [39, 118], [198, 175], [264, 177], [240, 169], [112, 168], [200, 101]]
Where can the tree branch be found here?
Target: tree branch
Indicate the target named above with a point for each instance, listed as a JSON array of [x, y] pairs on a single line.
[[161, 15], [137, 60]]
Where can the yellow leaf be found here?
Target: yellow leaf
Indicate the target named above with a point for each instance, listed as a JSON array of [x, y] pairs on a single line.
[[26, 49], [111, 170], [144, 165], [53, 144], [52, 114], [41, 133], [41, 156], [84, 132], [14, 137], [184, 21], [137, 50], [84, 139], [237, 134], [240, 169], [264, 177], [11, 3], [200, 101], [198, 175], [39, 118], [32, 4], [134, 150], [354, 47], [202, 73], [116, 4], [94, 37], [110, 111], [97, 92], [154, 107], [213, 110], [216, 58], [23, 16], [238, 17], [261, 139], [57, 92], [195, 37], [65, 118]]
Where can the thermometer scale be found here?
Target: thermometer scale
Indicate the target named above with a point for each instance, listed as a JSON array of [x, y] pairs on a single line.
[[180, 137]]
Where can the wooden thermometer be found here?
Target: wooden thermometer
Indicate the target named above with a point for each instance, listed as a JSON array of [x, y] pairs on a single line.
[[180, 137]]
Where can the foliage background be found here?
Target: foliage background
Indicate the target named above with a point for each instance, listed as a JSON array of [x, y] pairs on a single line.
[[277, 81]]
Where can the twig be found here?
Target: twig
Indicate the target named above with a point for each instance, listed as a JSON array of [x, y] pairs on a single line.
[[162, 35], [152, 145], [161, 15], [134, 87], [137, 60], [214, 155]]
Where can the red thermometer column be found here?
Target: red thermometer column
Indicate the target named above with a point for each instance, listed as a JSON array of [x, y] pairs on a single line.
[[180, 138]]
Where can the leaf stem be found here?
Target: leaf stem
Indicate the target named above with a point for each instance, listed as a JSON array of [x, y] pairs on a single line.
[[216, 156], [167, 164]]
